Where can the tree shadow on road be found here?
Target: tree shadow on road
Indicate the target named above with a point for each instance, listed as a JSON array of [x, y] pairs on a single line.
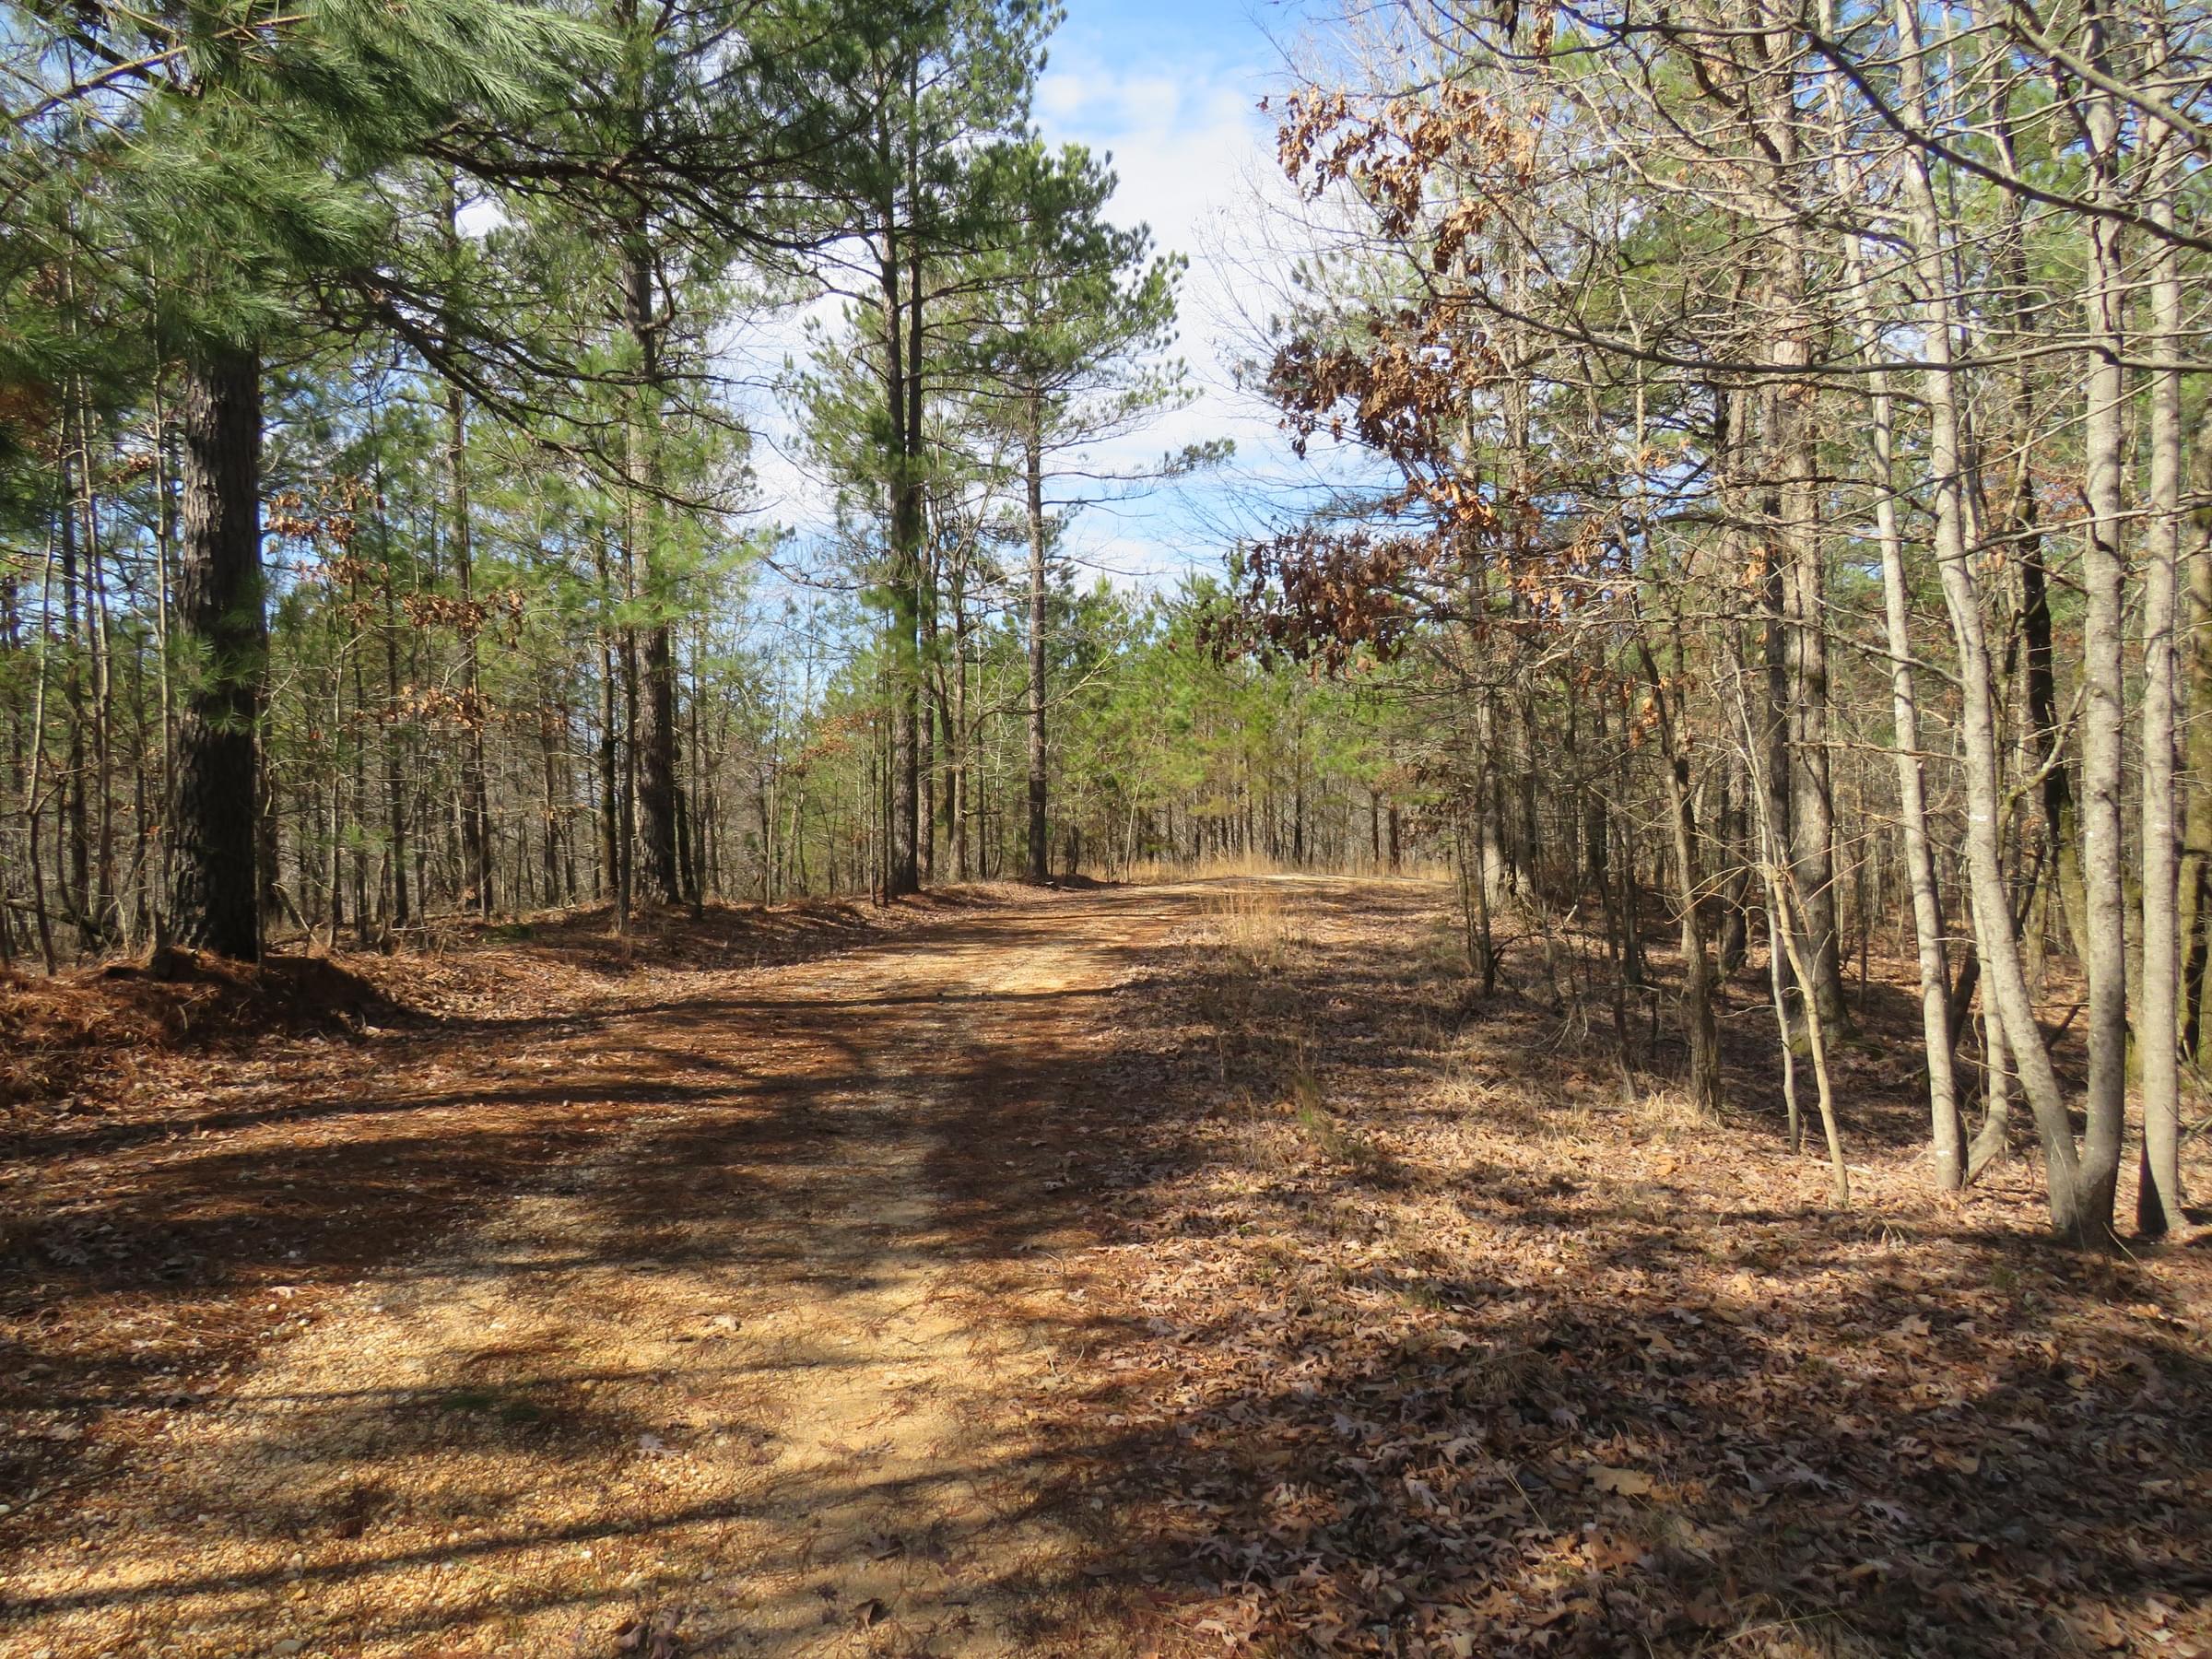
[[1318, 1309]]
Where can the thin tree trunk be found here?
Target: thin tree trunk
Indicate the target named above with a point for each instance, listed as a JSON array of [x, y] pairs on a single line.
[[1809, 831], [1033, 484], [73, 870], [2103, 575], [1946, 1131], [1997, 937], [2159, 1197], [165, 541], [395, 781], [1838, 1177], [34, 776], [1699, 1022], [959, 739], [1992, 1139], [475, 812]]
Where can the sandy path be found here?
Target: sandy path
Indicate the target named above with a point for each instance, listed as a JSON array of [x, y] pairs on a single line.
[[732, 1381]]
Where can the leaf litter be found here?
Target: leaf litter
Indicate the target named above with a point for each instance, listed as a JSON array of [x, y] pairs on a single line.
[[1431, 1344], [1153, 1271]]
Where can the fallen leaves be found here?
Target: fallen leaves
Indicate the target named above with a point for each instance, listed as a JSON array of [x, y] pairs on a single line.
[[1474, 1360], [1626, 1483], [650, 1635], [1536, 1375]]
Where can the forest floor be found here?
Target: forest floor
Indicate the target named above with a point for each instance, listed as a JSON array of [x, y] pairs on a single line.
[[1169, 1269]]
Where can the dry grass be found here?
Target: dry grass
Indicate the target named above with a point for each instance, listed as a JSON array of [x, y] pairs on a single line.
[[1211, 866], [1253, 926], [1221, 867]]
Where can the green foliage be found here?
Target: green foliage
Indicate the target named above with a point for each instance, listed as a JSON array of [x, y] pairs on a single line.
[[479, 262]]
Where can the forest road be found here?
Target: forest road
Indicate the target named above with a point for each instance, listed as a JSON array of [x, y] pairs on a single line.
[[743, 1378]]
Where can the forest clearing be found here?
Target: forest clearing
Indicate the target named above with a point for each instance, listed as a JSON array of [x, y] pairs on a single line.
[[1137, 827], [1139, 1269]]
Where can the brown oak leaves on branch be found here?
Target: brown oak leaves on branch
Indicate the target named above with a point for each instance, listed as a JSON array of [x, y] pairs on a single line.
[[1322, 598], [1404, 381]]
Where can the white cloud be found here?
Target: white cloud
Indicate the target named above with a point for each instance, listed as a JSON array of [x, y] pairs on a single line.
[[1193, 157], [1191, 152], [480, 216]]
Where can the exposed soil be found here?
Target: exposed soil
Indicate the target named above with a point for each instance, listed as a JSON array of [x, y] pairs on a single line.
[[1125, 1270], [686, 1356]]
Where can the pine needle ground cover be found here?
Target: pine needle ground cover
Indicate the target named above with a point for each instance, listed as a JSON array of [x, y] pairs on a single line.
[[1157, 1269]]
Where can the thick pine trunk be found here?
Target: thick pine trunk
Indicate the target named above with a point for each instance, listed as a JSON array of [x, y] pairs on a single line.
[[661, 864], [660, 860], [2195, 896], [1795, 552], [626, 881], [904, 874], [903, 339], [395, 769], [476, 811], [962, 781], [608, 757], [214, 894], [930, 691], [73, 871]]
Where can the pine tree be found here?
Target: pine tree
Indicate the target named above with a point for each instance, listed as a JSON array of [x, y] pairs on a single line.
[[240, 151], [1076, 360], [941, 95]]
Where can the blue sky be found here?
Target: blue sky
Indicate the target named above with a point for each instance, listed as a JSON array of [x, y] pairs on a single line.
[[1170, 88], [1169, 30]]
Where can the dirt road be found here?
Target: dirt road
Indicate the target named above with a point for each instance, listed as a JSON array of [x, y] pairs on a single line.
[[739, 1377], [1161, 1271]]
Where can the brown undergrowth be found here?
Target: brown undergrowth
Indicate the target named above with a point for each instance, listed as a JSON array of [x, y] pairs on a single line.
[[1435, 1344], [58, 1033]]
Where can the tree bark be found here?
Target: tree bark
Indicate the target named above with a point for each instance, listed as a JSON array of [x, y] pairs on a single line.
[[903, 308], [476, 811], [214, 895], [1698, 1023], [1996, 939], [2196, 897], [660, 860], [1809, 830], [1033, 484], [1947, 1133], [1946, 1130], [2104, 574], [2159, 1197]]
